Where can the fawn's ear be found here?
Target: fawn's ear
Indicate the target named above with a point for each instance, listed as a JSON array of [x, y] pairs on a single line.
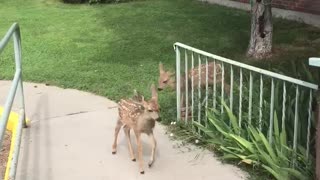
[[218, 68], [145, 104], [137, 96], [161, 69], [154, 92]]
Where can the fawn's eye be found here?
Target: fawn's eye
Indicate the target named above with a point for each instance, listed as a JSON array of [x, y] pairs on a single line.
[[150, 110]]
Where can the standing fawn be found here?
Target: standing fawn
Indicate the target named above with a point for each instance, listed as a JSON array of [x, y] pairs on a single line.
[[167, 79], [140, 116]]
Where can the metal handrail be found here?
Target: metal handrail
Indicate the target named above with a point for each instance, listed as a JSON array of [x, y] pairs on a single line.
[[248, 67], [191, 54], [16, 87]]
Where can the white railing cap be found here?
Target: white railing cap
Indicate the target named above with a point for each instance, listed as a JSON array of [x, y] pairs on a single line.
[[314, 61]]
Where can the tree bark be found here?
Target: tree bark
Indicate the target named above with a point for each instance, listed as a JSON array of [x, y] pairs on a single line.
[[260, 45]]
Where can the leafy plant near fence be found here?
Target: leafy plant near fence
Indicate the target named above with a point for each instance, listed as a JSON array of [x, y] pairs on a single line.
[[250, 146], [286, 117], [291, 124]]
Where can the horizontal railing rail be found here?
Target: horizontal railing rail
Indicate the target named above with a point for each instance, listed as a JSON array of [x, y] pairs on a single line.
[[248, 67]]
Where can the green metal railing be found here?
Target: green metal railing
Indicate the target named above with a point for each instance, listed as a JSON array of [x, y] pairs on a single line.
[[16, 88], [314, 61], [242, 102]]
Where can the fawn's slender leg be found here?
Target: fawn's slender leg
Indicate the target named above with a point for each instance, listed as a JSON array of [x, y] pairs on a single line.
[[140, 158], [182, 99], [116, 132], [127, 133], [154, 145], [182, 104]]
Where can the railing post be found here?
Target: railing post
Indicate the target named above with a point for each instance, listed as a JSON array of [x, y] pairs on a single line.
[[316, 62], [318, 138], [178, 82], [18, 63]]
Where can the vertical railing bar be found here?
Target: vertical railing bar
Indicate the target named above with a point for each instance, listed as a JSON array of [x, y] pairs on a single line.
[[222, 85], [18, 60], [271, 112], [250, 98], [178, 83], [15, 154], [261, 103], [214, 84], [231, 88], [240, 99], [186, 86], [295, 131], [207, 93], [199, 91], [284, 95], [192, 88], [309, 124], [22, 105]]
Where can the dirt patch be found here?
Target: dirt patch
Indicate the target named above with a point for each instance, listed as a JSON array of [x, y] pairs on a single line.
[[4, 153]]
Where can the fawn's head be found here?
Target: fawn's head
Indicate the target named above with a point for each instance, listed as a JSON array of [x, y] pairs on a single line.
[[166, 78], [152, 106]]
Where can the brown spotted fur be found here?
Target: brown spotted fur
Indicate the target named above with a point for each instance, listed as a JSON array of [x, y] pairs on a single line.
[[140, 116], [167, 79]]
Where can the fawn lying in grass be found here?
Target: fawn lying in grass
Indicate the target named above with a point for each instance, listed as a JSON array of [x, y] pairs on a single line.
[[140, 116]]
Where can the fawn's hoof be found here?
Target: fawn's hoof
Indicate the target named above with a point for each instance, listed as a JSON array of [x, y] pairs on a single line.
[[141, 172], [150, 164], [114, 152], [134, 159]]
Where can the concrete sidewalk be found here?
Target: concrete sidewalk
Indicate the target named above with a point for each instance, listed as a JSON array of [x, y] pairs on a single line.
[[71, 134]]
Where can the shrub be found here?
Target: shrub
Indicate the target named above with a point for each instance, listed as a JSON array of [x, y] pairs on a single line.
[[250, 146]]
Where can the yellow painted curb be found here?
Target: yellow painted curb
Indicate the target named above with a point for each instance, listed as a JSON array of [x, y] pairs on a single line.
[[11, 126]]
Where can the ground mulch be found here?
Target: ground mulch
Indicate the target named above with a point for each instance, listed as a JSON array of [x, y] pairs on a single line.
[[4, 153]]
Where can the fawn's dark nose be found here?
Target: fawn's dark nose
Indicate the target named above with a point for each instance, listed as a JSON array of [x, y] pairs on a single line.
[[159, 119], [160, 89]]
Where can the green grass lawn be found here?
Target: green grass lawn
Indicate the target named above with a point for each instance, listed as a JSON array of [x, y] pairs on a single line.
[[112, 49]]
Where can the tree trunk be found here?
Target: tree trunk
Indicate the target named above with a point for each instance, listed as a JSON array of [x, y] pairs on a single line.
[[260, 45]]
